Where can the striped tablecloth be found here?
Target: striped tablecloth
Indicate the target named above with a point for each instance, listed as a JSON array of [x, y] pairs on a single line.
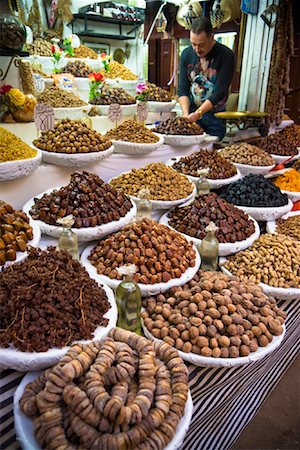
[[225, 400]]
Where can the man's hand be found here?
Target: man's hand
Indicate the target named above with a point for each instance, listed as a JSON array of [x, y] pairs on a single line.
[[193, 117]]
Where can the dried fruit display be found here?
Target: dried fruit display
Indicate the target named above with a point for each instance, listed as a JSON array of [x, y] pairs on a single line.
[[83, 52], [158, 94], [214, 316], [132, 131], [178, 126], [91, 201], [109, 96], [48, 300], [244, 153], [60, 98], [288, 181], [122, 392], [290, 227], [117, 70], [283, 143], [78, 69], [40, 47]]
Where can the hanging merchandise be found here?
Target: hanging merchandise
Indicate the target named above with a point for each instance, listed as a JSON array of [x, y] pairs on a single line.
[[224, 11], [161, 23], [187, 13], [216, 14], [250, 6]]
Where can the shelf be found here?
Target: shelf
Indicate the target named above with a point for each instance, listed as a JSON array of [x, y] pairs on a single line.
[[120, 37], [98, 18]]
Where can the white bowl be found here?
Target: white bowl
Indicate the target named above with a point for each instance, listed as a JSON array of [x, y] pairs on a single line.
[[213, 184], [76, 159], [133, 148], [127, 110], [225, 249], [183, 140], [12, 358], [294, 196], [271, 225], [160, 106], [70, 113], [246, 169], [146, 289], [11, 170], [83, 234], [280, 159], [264, 214]]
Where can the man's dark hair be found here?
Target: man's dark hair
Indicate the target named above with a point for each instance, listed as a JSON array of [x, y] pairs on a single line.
[[201, 24]]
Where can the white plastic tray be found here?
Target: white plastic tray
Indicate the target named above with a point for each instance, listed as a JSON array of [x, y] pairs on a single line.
[[25, 431], [76, 159], [22, 167], [83, 234], [224, 249], [271, 225], [133, 148], [213, 184], [160, 106], [183, 140], [280, 159], [146, 289], [70, 113], [11, 358], [209, 361], [265, 214], [246, 169], [127, 110]]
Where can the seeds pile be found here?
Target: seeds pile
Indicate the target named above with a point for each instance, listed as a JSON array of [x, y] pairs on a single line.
[[132, 131], [117, 70], [48, 300], [163, 182], [71, 136], [272, 259], [157, 94], [254, 190], [244, 153], [288, 181], [110, 96], [83, 52], [159, 253], [13, 148], [219, 168], [277, 144], [78, 69], [60, 98], [214, 316], [124, 392], [15, 232], [234, 225], [40, 47], [290, 227], [91, 201], [178, 126]]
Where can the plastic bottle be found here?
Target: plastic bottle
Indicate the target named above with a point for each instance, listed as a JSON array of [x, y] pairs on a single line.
[[129, 300], [68, 239], [202, 183], [143, 204], [209, 249]]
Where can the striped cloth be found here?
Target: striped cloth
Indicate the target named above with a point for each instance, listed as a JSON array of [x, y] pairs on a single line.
[[225, 400]]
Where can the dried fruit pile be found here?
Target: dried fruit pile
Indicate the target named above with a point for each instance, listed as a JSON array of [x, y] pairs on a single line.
[[47, 301], [178, 126], [132, 131], [91, 201], [159, 253], [234, 225], [78, 69], [288, 181], [157, 94], [60, 98], [290, 227], [109, 96], [83, 52], [244, 153], [214, 316], [117, 70], [284, 143], [124, 392]]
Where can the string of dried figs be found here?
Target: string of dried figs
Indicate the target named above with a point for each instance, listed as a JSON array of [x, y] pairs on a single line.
[[124, 392], [214, 316], [163, 182], [233, 224], [15, 232], [48, 300], [72, 136], [159, 253], [178, 126], [91, 201], [290, 227], [219, 168], [60, 98], [244, 153], [132, 131], [109, 96]]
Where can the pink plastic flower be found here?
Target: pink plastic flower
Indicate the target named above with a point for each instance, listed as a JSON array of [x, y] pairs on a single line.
[[140, 88]]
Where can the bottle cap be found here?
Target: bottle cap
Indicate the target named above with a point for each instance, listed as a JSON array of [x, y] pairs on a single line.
[[66, 221], [129, 269], [211, 227], [203, 172]]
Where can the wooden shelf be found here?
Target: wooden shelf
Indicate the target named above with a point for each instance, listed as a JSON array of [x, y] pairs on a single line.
[[119, 37], [98, 18]]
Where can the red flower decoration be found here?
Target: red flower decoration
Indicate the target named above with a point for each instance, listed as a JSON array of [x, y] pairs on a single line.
[[53, 49], [98, 77], [103, 55], [5, 88]]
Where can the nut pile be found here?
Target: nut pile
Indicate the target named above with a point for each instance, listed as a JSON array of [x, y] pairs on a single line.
[[244, 153], [13, 148], [91, 201], [233, 224], [78, 69], [178, 126], [110, 96], [124, 392], [83, 52], [117, 70], [157, 94], [132, 131], [71, 136], [273, 259], [15, 232], [214, 316], [60, 98], [288, 181], [163, 182], [159, 253], [219, 168], [48, 300], [292, 134], [277, 144], [40, 47], [290, 227], [254, 190]]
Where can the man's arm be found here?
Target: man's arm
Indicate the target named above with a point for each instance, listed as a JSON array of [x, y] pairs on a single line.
[[184, 102], [184, 84]]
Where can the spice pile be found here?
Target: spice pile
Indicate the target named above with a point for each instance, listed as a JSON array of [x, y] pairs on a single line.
[[117, 70], [290, 227], [219, 168], [254, 190], [163, 182], [13, 148], [178, 126], [109, 96], [214, 316], [40, 47], [71, 136], [244, 153], [159, 253], [132, 131], [91, 201], [15, 232], [78, 69], [60, 98], [272, 259], [122, 392], [47, 301], [157, 94], [233, 224], [83, 52], [288, 181]]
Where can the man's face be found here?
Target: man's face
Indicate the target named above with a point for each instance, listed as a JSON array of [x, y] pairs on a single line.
[[202, 43]]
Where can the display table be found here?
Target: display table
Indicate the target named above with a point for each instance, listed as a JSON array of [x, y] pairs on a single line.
[[225, 400]]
